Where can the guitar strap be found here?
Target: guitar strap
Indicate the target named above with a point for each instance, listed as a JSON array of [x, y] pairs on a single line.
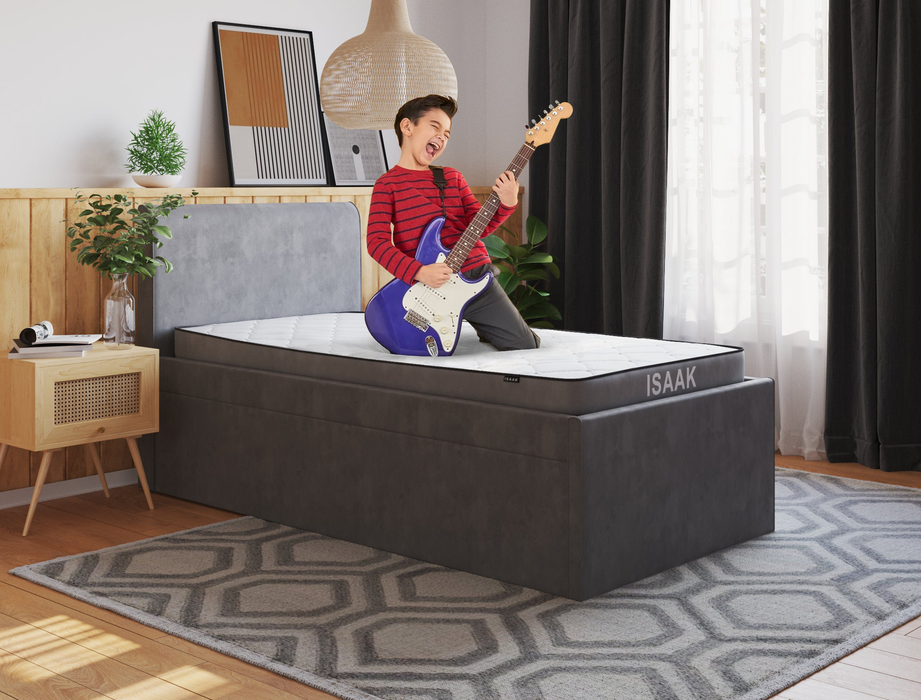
[[439, 174]]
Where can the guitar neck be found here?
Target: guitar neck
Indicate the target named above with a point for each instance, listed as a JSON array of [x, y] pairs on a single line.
[[475, 230]]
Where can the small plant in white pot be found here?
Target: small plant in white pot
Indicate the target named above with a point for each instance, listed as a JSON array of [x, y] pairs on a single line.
[[156, 155]]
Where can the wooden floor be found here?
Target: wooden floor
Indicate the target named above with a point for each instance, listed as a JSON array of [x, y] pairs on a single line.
[[52, 646]]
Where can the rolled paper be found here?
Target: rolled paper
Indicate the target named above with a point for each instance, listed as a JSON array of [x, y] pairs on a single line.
[[40, 331]]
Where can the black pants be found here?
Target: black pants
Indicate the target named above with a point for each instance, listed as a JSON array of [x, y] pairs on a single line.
[[495, 317]]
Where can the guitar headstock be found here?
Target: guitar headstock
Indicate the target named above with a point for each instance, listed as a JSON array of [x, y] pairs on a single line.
[[541, 130]]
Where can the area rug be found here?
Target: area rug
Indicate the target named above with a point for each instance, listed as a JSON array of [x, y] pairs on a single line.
[[842, 568]]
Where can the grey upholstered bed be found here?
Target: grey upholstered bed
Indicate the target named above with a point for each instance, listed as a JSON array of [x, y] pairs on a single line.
[[571, 485]]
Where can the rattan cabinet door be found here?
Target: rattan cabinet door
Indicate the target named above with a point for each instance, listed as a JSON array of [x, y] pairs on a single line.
[[90, 401]]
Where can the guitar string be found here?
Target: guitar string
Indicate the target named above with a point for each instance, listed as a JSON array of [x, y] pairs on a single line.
[[467, 242]]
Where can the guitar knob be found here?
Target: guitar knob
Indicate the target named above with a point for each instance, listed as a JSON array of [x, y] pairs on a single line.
[[437, 319], [444, 331]]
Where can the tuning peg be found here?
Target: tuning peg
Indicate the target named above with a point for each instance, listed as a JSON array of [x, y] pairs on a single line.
[[557, 102], [533, 122], [545, 112], [527, 126]]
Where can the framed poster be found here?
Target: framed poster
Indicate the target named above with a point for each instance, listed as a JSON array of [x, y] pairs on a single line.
[[357, 155], [270, 97]]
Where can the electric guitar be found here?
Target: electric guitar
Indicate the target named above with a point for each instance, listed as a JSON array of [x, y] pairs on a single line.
[[422, 320]]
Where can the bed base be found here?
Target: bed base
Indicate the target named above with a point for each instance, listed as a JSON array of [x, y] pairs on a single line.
[[571, 505]]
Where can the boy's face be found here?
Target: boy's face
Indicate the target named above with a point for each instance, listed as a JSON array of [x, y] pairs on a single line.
[[425, 140]]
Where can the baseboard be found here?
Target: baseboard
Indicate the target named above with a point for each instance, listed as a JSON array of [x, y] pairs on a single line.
[[71, 487]]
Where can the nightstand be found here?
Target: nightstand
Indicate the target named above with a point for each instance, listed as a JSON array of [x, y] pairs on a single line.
[[47, 405]]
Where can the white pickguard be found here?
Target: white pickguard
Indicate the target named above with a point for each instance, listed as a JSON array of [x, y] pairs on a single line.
[[442, 307]]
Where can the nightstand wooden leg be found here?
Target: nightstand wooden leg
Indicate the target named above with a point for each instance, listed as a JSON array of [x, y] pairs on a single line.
[[37, 489], [93, 454], [3, 450], [136, 456]]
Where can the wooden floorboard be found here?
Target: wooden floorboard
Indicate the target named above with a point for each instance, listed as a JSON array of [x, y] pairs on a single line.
[[53, 646]]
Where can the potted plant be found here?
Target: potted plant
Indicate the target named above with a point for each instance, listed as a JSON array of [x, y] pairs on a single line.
[[156, 155], [522, 266], [116, 237]]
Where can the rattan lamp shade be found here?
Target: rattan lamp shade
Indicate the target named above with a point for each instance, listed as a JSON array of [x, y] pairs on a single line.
[[372, 75]]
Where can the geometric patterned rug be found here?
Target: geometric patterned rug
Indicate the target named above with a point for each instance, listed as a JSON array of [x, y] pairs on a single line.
[[842, 568]]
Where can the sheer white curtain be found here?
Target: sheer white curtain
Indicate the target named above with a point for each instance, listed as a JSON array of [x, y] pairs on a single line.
[[747, 199]]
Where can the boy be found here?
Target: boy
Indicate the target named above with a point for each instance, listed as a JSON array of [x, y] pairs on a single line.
[[407, 197]]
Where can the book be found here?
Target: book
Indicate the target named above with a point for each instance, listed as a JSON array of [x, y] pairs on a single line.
[[59, 353], [44, 349], [82, 339]]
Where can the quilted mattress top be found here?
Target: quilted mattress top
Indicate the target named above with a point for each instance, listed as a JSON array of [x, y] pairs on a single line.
[[562, 354]]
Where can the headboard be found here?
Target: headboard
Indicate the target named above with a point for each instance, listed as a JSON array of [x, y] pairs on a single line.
[[237, 262]]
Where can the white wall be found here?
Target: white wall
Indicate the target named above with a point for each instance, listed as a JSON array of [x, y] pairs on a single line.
[[487, 41], [76, 78]]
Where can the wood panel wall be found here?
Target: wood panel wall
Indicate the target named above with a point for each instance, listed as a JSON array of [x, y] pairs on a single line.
[[40, 280]]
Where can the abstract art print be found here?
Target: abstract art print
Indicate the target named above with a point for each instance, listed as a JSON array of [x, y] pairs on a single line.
[[271, 101], [358, 155]]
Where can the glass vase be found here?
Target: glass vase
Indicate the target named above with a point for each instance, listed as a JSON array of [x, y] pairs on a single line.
[[119, 334]]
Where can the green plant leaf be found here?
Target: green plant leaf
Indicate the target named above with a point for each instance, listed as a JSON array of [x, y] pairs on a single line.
[[163, 231], [517, 252], [496, 247], [541, 324], [508, 281], [537, 230], [537, 258], [554, 269], [543, 309], [531, 275], [540, 233]]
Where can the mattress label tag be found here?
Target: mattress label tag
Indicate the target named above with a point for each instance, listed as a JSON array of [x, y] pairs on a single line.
[[513, 378]]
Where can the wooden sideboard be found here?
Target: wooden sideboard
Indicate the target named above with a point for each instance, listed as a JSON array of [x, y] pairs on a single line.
[[40, 279]]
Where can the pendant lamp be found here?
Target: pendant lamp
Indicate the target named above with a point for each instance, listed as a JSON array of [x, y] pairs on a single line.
[[369, 77]]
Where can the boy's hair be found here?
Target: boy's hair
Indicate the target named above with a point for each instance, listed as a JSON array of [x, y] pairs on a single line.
[[416, 108]]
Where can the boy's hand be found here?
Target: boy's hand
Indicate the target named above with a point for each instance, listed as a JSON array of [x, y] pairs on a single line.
[[434, 275], [507, 188]]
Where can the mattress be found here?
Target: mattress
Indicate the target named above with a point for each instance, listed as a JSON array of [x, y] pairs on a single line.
[[571, 373]]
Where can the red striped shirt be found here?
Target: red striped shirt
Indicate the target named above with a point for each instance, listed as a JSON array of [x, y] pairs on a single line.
[[409, 200]]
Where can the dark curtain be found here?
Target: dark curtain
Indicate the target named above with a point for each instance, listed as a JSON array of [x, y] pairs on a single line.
[[873, 396], [600, 184]]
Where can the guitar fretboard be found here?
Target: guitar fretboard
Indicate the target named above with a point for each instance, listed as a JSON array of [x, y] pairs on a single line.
[[472, 234]]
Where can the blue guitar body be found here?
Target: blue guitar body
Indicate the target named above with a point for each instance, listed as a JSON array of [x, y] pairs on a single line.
[[418, 319]]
